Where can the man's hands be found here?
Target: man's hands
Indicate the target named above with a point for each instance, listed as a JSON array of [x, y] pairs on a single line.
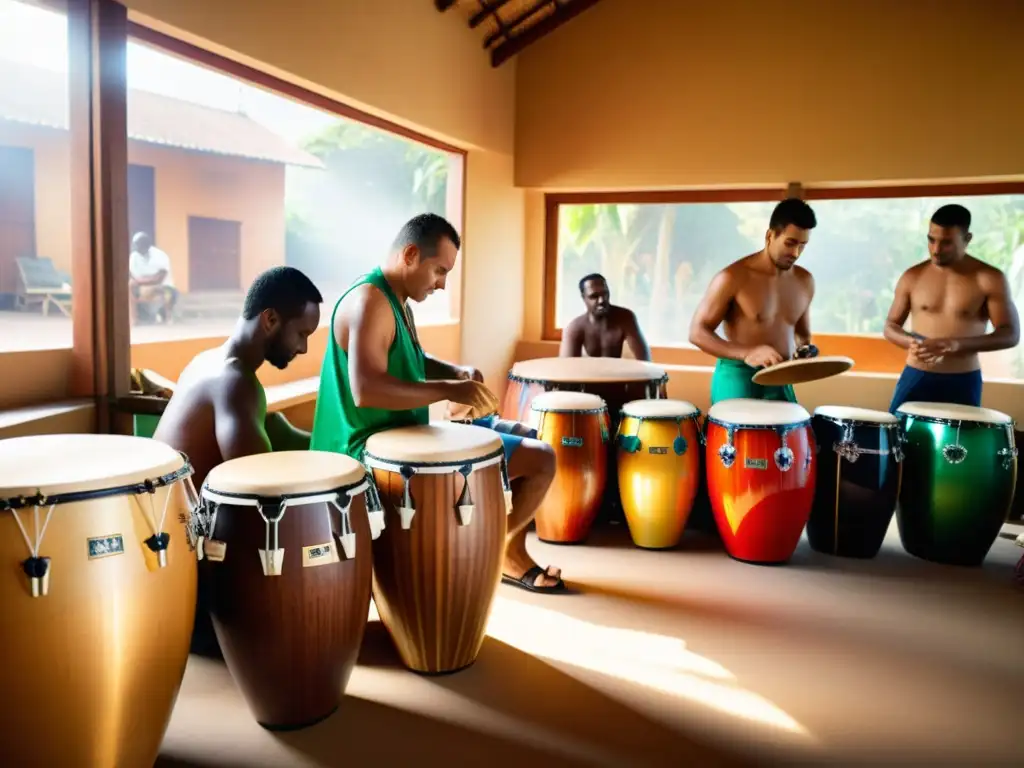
[[933, 351], [467, 372], [469, 391], [763, 356]]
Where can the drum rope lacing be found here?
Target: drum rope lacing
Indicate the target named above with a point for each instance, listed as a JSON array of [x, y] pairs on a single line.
[[35, 567]]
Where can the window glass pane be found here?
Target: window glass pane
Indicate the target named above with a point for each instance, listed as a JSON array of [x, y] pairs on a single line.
[[659, 259], [35, 177], [227, 179]]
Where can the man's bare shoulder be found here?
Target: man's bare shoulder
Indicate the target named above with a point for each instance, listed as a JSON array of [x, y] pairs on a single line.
[[577, 324], [988, 277], [235, 382], [624, 316], [914, 273]]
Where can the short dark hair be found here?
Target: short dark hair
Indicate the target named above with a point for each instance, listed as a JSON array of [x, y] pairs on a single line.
[[953, 215], [284, 289], [592, 276], [793, 211], [426, 232]]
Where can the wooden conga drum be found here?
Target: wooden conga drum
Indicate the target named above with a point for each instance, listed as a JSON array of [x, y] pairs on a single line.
[[98, 591], [659, 448], [959, 474], [761, 467], [575, 425], [288, 558], [437, 565], [858, 480]]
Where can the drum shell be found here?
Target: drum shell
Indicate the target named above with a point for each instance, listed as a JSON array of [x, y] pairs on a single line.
[[434, 583], [656, 485], [951, 513], [92, 670], [292, 640], [854, 501], [761, 512], [574, 497]]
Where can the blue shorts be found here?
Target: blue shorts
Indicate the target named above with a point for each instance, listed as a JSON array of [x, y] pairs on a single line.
[[928, 387], [509, 440]]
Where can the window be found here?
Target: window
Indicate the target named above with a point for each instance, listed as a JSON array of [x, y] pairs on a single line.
[[227, 179], [659, 258], [36, 240]]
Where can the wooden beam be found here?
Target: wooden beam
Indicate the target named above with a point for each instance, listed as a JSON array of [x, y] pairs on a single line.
[[549, 24], [508, 30], [490, 8], [443, 5], [795, 189]]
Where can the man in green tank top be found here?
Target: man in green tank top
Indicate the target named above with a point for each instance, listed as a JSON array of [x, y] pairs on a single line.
[[376, 376]]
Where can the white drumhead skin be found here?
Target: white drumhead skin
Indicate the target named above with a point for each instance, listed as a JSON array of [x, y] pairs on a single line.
[[566, 401], [587, 369], [439, 442], [659, 409], [849, 413], [768, 413], [285, 472], [54, 464], [954, 412]]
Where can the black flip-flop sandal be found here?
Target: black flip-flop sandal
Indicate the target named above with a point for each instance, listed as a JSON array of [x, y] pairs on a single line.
[[526, 581]]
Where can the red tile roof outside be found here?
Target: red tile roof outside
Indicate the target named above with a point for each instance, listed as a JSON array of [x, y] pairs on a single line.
[[37, 96]]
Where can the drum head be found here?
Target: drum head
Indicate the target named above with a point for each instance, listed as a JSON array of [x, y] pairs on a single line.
[[801, 371], [57, 464], [953, 412], [659, 409], [767, 413], [440, 442], [849, 413], [587, 370], [283, 473], [567, 401]]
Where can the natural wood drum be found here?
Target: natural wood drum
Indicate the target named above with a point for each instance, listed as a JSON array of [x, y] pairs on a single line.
[[659, 447], [98, 590], [289, 561], [437, 565], [575, 425]]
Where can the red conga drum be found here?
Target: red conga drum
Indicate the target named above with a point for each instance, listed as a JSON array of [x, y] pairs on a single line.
[[575, 425], [288, 557], [761, 463], [437, 565]]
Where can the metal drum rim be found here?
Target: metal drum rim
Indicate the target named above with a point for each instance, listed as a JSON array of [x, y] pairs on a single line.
[[597, 382], [771, 427], [959, 423], [439, 467], [857, 422], [255, 499]]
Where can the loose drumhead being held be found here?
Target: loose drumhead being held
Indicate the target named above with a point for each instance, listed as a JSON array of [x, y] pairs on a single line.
[[959, 476], [437, 564], [288, 556], [659, 466], [858, 480], [93, 528], [760, 459], [575, 425]]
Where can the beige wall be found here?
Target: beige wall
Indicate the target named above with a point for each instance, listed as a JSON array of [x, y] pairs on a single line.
[[663, 93]]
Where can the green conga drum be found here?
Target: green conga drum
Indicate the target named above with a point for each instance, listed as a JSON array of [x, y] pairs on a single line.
[[959, 473]]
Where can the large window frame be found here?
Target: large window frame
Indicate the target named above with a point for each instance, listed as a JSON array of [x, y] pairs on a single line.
[[97, 365], [872, 352]]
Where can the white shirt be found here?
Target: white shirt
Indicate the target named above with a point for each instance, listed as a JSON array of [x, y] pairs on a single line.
[[140, 266]]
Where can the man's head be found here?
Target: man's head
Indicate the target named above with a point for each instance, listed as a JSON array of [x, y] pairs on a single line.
[[424, 253], [596, 296], [283, 309], [789, 230], [949, 232], [141, 243]]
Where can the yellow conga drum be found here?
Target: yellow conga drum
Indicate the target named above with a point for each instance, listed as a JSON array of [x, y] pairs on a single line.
[[98, 590], [658, 448]]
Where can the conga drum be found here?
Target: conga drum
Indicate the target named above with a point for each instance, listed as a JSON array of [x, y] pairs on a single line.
[[761, 476], [287, 554], [437, 565], [959, 473], [858, 480], [575, 425], [659, 447], [98, 588]]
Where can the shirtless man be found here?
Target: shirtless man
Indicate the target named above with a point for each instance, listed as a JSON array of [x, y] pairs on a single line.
[[219, 409], [603, 328], [950, 299], [376, 376], [764, 300]]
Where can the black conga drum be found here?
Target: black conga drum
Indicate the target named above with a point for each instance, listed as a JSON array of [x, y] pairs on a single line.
[[288, 557], [859, 469]]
